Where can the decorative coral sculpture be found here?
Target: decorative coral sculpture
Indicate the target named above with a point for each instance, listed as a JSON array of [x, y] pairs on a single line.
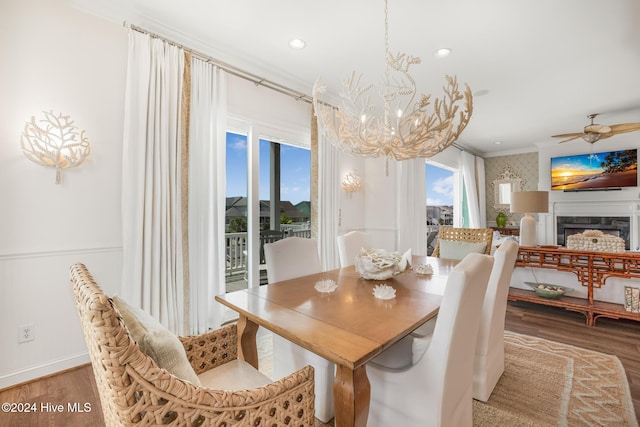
[[383, 291], [54, 142]]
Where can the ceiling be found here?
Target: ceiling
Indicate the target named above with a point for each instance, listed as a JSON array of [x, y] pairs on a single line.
[[536, 67]]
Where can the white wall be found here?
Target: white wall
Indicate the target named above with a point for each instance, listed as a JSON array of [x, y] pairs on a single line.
[[53, 57], [56, 57]]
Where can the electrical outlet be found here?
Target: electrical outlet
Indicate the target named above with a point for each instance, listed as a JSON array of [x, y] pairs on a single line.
[[25, 333]]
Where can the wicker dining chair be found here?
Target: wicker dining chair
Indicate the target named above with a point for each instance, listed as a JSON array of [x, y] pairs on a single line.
[[134, 390], [469, 235]]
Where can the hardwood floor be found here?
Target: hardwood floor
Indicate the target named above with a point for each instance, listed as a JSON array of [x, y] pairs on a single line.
[[44, 396], [77, 386]]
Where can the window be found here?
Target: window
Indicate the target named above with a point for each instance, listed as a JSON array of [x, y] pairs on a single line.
[[284, 208], [440, 201]]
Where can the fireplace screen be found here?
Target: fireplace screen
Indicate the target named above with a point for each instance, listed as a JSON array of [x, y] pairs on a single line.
[[615, 226]]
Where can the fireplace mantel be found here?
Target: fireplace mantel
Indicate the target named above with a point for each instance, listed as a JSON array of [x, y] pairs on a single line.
[[619, 208], [596, 208]]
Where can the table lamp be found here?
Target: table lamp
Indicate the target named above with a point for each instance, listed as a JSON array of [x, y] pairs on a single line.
[[528, 202]]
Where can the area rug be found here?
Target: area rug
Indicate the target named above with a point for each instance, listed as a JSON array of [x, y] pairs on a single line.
[[548, 383], [545, 383]]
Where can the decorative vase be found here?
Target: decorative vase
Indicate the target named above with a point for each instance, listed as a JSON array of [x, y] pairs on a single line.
[[501, 220]]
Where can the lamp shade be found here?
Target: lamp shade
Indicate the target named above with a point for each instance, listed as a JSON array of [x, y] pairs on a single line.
[[529, 202]]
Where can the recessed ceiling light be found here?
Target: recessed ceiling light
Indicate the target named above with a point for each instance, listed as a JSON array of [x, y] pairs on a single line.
[[498, 142], [297, 44], [442, 52]]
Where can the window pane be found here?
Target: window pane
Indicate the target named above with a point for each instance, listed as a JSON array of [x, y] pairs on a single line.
[[236, 165], [295, 189], [292, 217], [236, 212], [439, 202], [295, 185]]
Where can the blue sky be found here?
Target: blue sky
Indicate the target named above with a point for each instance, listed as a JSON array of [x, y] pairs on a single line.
[[295, 171], [294, 175], [439, 186]]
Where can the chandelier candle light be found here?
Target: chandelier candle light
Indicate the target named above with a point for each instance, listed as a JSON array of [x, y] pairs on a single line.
[[407, 130]]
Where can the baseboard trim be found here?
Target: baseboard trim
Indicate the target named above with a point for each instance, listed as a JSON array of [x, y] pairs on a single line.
[[29, 374]]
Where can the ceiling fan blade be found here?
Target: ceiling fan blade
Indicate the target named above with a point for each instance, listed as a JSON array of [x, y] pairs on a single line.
[[568, 135], [624, 127], [596, 128], [576, 136]]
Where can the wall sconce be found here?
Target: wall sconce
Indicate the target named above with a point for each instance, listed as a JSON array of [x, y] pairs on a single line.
[[55, 142], [351, 182]]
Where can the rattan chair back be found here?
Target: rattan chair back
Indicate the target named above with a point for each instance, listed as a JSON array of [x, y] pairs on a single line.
[[473, 235], [135, 391]]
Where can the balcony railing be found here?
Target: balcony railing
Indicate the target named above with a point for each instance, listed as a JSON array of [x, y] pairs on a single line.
[[236, 246]]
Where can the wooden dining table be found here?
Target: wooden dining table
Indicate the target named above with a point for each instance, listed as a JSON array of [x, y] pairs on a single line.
[[348, 326]]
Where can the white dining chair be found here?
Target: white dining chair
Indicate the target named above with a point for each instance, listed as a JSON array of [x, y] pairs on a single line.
[[430, 380], [349, 245], [287, 259], [489, 355]]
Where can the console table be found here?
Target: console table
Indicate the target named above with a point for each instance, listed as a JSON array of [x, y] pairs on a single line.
[[592, 269], [507, 231]]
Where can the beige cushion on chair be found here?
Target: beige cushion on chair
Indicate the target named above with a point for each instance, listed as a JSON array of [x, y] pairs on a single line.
[[458, 249], [234, 375], [156, 341]]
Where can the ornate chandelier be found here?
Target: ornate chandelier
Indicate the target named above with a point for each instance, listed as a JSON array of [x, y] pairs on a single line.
[[408, 129]]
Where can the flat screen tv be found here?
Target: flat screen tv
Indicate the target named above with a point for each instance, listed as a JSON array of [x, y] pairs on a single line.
[[606, 170]]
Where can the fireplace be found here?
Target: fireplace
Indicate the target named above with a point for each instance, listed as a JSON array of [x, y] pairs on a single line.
[[613, 225]]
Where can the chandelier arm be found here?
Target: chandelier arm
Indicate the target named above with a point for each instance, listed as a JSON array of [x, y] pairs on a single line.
[[408, 128]]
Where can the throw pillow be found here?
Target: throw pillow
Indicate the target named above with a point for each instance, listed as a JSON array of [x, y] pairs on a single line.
[[457, 250], [156, 341]]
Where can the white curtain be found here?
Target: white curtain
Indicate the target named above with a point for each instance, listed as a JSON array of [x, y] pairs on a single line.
[[411, 206], [328, 201], [482, 198], [473, 177], [207, 145], [151, 192]]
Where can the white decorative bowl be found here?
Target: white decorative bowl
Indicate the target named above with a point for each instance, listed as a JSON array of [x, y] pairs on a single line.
[[378, 264]]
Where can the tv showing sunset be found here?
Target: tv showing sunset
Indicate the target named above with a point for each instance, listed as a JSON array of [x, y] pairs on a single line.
[[604, 170]]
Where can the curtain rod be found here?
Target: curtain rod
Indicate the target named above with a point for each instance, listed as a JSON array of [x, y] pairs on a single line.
[[257, 80], [238, 72]]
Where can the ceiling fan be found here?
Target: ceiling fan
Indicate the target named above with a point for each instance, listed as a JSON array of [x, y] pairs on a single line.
[[595, 132]]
